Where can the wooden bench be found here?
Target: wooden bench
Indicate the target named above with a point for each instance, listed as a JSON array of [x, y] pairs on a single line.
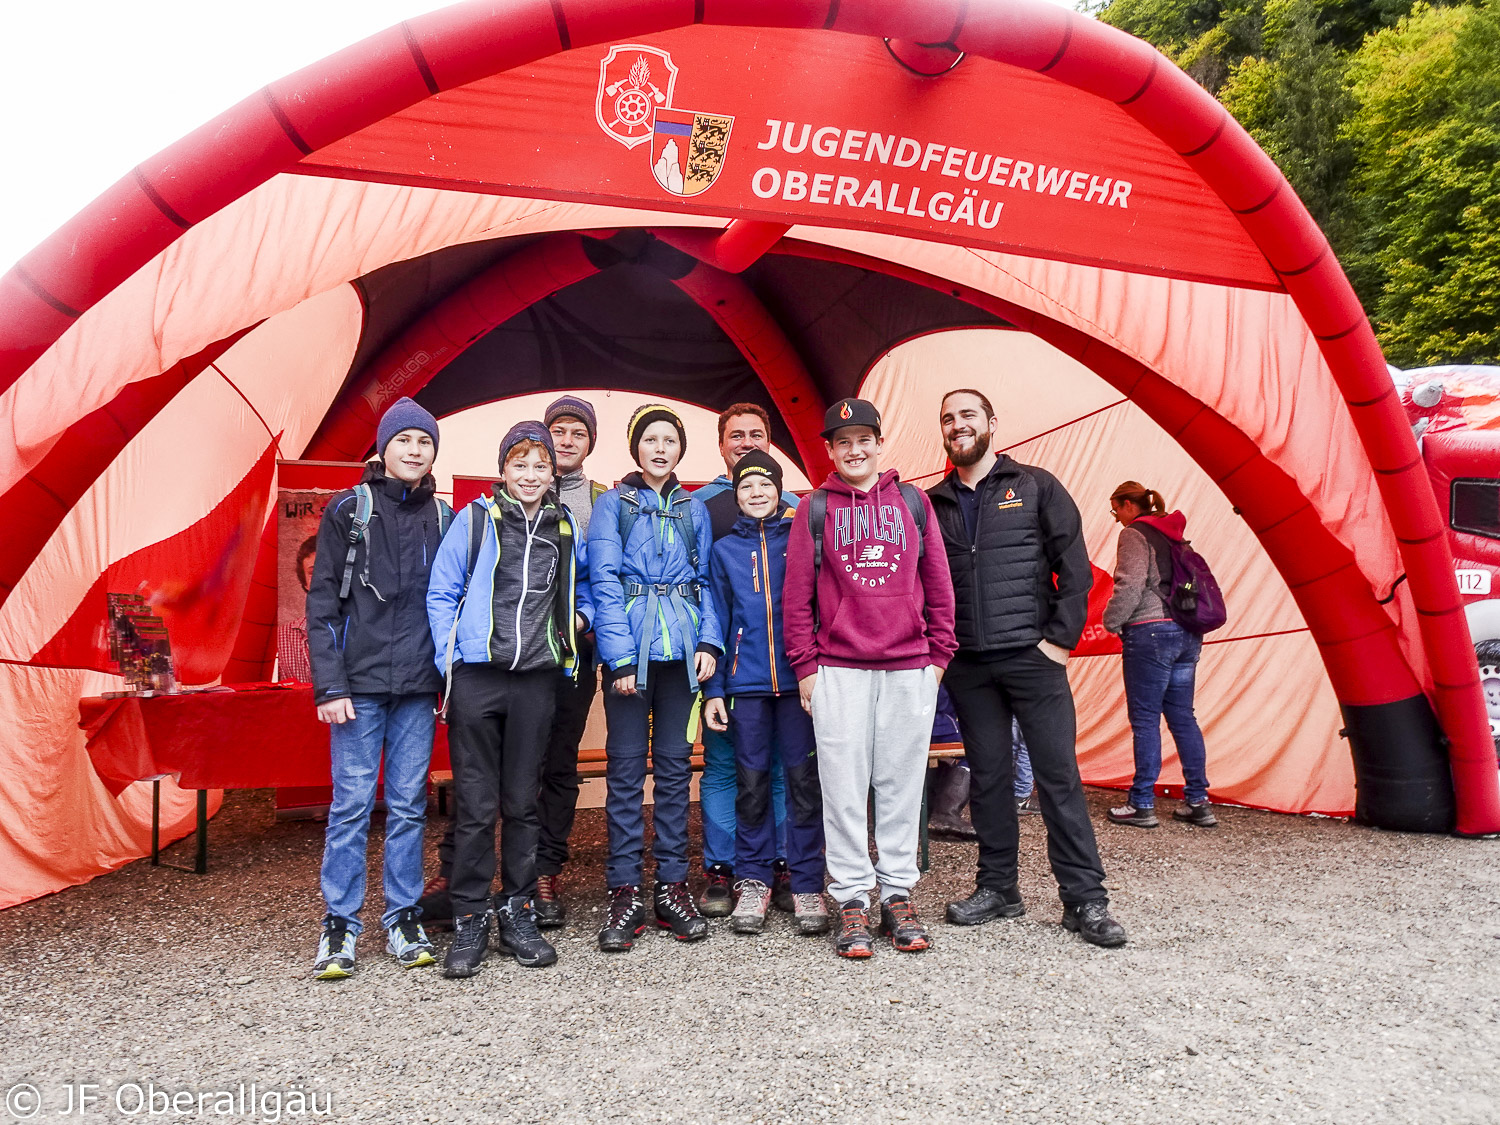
[[591, 764]]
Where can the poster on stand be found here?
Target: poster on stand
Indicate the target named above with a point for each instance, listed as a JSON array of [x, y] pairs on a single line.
[[304, 489]]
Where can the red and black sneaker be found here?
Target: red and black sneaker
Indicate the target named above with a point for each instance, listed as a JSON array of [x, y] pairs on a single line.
[[853, 938], [626, 920], [549, 909], [676, 911], [717, 899], [898, 919]]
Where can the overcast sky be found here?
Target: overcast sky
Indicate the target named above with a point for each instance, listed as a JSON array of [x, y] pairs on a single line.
[[93, 87]]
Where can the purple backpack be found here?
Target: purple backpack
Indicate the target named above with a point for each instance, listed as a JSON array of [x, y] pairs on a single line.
[[1188, 588]]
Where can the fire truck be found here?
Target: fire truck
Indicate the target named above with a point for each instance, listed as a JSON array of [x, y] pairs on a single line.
[[1455, 415]]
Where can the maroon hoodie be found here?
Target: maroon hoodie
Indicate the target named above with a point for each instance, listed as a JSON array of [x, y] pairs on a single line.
[[880, 606]]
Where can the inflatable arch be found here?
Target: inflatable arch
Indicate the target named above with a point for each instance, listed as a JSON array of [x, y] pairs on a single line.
[[815, 180]]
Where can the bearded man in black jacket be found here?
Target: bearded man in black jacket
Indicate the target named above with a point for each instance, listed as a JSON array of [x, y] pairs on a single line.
[[1021, 579]]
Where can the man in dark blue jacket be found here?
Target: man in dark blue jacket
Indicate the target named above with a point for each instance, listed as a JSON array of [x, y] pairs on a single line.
[[375, 681], [746, 570]]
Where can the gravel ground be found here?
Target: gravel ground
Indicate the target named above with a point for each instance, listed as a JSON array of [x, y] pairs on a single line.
[[1279, 969]]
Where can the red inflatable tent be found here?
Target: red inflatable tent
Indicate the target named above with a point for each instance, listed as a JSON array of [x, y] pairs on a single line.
[[707, 199]]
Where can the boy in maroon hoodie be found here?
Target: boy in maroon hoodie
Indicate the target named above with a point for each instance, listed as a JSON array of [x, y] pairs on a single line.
[[868, 620]]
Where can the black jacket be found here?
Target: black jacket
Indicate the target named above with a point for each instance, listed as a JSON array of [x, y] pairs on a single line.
[[1026, 576], [377, 640]]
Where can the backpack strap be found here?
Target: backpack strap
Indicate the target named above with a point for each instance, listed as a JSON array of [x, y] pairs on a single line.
[[689, 531], [364, 507], [912, 496], [444, 515], [630, 511], [597, 490], [479, 515], [1161, 547], [817, 516]]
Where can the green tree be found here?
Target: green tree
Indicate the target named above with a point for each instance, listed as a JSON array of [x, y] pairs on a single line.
[[1294, 101], [1426, 135]]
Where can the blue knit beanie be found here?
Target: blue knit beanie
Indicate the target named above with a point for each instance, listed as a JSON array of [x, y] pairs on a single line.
[[570, 406], [523, 431], [404, 414]]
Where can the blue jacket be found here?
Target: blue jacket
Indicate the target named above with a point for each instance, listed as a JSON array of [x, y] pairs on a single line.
[[652, 567], [746, 570], [522, 588]]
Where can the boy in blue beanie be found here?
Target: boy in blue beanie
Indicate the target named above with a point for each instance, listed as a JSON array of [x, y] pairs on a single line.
[[374, 681]]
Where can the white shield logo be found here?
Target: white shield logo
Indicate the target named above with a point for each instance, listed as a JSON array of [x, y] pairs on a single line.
[[633, 81]]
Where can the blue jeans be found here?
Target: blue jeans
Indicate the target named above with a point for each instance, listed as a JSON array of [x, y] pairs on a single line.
[[1161, 662], [716, 796], [403, 726], [774, 740], [1025, 781], [654, 719]]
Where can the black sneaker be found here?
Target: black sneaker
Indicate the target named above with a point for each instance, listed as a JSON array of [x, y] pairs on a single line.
[[1091, 921], [1134, 817], [675, 911], [1029, 805], [626, 919], [1200, 815], [781, 888], [437, 907], [550, 911], [853, 939], [899, 921], [717, 899], [985, 904], [516, 934], [471, 940]]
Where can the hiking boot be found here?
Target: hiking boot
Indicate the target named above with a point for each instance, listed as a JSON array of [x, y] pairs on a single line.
[[407, 942], [853, 938], [986, 904], [1091, 921], [437, 907], [811, 912], [1136, 818], [548, 907], [781, 887], [1200, 815], [471, 940], [1029, 805], [717, 899], [626, 919], [675, 911], [898, 920], [516, 934], [752, 898], [335, 951]]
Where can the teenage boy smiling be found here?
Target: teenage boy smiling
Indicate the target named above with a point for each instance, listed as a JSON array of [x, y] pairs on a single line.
[[869, 631], [508, 598]]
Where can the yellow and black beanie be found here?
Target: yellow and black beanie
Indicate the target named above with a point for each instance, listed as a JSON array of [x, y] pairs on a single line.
[[643, 417]]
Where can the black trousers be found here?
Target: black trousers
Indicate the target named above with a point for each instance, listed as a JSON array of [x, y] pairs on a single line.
[[497, 735], [558, 801], [1035, 690]]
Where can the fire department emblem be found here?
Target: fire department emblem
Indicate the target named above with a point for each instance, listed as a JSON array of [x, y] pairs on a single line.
[[634, 82], [687, 149]]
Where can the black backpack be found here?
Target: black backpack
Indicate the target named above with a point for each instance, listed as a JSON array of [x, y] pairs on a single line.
[[1188, 588], [817, 516]]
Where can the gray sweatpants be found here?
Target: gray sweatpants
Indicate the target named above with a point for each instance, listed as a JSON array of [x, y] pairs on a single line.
[[873, 729]]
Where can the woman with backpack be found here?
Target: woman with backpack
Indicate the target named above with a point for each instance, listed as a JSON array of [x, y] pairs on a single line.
[[658, 639], [1161, 657]]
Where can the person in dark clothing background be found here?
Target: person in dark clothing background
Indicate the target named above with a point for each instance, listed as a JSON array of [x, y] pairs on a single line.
[[1021, 580]]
